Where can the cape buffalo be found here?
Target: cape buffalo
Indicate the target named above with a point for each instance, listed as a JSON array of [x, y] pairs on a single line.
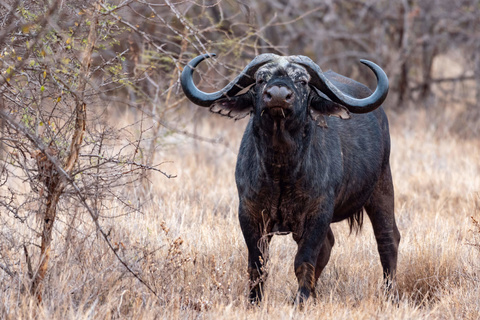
[[315, 151]]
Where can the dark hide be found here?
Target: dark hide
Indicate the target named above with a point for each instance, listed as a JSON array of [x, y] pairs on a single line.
[[307, 164]]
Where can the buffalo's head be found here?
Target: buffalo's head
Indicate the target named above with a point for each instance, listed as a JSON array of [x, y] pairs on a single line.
[[278, 87]]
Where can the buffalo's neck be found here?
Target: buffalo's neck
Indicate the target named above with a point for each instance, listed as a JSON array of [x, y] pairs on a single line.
[[281, 148]]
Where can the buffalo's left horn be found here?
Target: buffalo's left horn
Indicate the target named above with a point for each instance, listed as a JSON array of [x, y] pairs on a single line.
[[354, 105], [243, 80]]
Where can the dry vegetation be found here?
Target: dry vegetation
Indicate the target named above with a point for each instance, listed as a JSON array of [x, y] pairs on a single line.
[[180, 237], [187, 245]]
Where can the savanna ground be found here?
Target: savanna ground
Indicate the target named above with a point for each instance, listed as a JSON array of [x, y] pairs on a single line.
[[187, 244]]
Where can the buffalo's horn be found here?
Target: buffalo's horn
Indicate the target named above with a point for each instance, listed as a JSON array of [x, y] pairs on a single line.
[[354, 105], [243, 80]]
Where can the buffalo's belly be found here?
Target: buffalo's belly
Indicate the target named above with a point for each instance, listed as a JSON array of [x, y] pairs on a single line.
[[351, 204], [281, 228], [346, 212], [283, 209]]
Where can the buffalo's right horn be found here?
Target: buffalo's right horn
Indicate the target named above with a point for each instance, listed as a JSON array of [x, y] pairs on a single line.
[[245, 79], [354, 105]]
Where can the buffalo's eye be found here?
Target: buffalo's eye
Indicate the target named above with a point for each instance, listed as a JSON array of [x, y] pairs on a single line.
[[303, 82]]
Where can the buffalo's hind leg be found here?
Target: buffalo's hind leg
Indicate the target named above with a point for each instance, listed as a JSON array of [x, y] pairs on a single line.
[[380, 210]]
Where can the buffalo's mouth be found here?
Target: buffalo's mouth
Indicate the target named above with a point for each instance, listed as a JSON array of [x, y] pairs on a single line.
[[278, 112]]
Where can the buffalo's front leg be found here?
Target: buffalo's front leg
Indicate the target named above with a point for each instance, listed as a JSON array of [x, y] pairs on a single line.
[[324, 254], [257, 239], [309, 247]]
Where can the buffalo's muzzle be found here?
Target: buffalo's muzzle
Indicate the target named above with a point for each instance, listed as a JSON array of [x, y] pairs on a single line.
[[278, 97]]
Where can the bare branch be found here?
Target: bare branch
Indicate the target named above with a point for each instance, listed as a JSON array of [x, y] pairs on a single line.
[[136, 164]]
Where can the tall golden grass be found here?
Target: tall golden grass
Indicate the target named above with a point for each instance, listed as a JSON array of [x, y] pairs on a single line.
[[187, 244]]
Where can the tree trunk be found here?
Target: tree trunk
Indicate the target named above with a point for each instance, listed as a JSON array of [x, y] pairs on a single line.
[[404, 45], [54, 192], [2, 125], [429, 51], [477, 77]]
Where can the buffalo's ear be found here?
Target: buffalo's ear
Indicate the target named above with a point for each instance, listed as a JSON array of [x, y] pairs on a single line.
[[322, 106], [237, 107]]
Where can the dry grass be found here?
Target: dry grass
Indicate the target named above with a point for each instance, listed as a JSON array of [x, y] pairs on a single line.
[[188, 245]]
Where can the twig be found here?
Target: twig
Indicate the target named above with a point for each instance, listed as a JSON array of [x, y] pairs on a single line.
[[139, 165], [33, 44], [7, 270], [29, 262], [300, 17], [168, 126]]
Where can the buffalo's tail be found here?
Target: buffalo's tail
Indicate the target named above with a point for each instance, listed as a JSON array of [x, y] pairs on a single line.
[[355, 222]]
